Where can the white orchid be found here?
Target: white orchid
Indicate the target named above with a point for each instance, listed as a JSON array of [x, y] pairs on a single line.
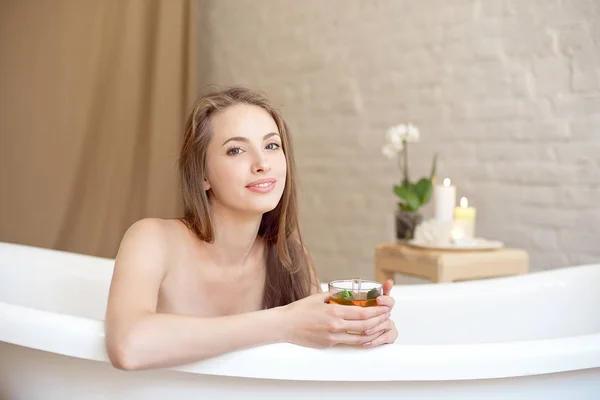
[[406, 132], [397, 136], [412, 134], [389, 151]]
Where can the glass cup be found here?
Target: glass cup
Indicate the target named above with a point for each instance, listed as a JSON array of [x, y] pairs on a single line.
[[355, 292]]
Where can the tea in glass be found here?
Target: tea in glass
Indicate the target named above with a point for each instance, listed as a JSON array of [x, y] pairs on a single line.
[[355, 292]]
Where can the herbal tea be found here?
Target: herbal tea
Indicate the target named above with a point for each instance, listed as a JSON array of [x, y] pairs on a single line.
[[355, 292]]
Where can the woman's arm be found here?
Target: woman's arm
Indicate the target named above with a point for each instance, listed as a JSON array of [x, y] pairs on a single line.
[[139, 338], [165, 340]]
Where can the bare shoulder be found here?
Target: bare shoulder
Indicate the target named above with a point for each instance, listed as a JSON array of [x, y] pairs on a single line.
[[148, 229], [140, 266], [148, 234], [147, 245]]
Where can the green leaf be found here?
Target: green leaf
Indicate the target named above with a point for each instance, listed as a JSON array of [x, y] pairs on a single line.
[[433, 166], [412, 201], [371, 303], [346, 294], [424, 188], [373, 293]]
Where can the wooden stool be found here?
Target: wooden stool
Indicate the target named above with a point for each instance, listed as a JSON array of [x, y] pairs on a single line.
[[448, 265]]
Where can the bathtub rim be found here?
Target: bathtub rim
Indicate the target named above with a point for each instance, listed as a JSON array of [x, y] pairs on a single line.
[[83, 338], [404, 362]]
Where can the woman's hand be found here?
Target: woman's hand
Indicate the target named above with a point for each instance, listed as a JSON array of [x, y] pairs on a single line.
[[386, 331], [312, 322]]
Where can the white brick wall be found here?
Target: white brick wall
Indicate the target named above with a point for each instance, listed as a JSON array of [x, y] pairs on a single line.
[[508, 93]]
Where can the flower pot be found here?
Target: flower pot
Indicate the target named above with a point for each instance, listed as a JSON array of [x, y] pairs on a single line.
[[406, 222]]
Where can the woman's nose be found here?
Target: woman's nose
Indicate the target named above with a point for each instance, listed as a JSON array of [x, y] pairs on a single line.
[[261, 165]]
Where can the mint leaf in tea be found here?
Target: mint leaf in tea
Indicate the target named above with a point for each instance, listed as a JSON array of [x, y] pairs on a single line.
[[371, 303], [373, 293]]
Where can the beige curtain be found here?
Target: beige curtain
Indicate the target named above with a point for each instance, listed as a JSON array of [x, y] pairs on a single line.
[[93, 97]]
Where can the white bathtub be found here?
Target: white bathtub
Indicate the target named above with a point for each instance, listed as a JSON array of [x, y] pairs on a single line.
[[533, 336]]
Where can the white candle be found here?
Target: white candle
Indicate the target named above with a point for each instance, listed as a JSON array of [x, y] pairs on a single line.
[[444, 197]]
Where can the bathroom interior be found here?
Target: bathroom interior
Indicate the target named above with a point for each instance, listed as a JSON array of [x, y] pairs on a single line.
[[490, 108]]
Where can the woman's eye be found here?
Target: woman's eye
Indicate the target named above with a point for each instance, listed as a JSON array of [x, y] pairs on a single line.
[[234, 151], [273, 146]]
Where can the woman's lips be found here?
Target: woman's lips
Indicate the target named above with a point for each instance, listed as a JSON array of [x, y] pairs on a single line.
[[262, 185]]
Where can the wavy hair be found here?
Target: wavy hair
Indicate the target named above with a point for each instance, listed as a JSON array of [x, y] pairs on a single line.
[[289, 272]]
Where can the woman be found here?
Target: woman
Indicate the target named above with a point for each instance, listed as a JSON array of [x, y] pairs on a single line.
[[233, 273]]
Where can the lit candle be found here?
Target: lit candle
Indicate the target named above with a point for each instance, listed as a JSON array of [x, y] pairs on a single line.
[[465, 217], [444, 197]]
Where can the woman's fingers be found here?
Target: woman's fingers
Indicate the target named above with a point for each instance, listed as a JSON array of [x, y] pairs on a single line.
[[386, 301], [387, 287], [383, 326], [388, 335], [370, 337], [353, 339], [365, 325], [370, 332], [358, 313]]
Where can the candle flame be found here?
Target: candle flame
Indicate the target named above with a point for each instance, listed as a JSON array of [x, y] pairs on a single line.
[[447, 182], [464, 203]]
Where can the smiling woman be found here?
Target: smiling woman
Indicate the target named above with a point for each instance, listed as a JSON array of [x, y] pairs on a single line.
[[250, 160], [170, 299]]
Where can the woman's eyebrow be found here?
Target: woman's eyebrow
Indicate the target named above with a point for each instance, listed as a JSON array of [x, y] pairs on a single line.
[[244, 139]]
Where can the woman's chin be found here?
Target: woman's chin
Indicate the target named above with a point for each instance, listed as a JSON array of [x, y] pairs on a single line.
[[262, 206], [263, 209]]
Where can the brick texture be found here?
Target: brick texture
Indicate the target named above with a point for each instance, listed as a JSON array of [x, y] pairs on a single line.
[[507, 93]]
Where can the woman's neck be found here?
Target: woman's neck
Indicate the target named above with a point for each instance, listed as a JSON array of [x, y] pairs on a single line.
[[235, 236]]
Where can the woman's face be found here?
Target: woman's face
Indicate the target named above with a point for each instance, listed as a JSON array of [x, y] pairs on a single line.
[[246, 165]]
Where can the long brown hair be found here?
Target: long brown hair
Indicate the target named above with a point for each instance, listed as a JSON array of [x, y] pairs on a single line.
[[289, 273]]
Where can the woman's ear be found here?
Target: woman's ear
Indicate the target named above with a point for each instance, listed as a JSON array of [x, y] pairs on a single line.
[[205, 184]]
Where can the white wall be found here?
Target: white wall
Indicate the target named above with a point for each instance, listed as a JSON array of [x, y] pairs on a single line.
[[508, 93]]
